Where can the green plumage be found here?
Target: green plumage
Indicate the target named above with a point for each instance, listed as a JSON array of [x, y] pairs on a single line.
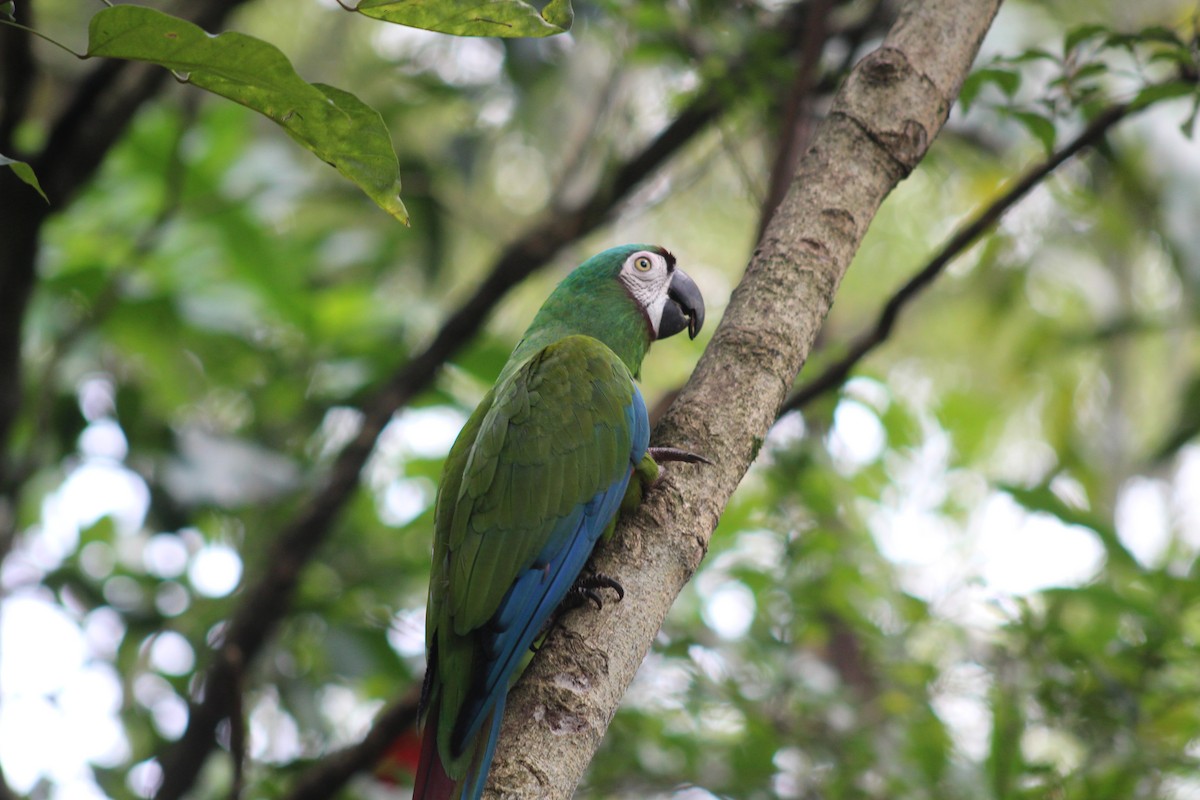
[[549, 436], [537, 427], [534, 478]]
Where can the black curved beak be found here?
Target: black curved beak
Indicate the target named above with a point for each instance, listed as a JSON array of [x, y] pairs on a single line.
[[684, 308]]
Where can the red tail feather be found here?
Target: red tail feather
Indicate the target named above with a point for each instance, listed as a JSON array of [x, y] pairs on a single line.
[[432, 781], [399, 763]]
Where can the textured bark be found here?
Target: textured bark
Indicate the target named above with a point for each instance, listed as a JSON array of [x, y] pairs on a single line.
[[881, 124]]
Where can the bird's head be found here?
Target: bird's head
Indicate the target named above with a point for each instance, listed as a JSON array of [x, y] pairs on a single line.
[[626, 296], [669, 299]]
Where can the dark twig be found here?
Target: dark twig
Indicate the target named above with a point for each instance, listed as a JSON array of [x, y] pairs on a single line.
[[265, 602], [106, 300], [237, 724], [324, 778], [984, 219], [795, 123], [18, 71]]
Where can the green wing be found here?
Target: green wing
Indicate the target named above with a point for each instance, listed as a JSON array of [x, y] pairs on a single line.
[[553, 436]]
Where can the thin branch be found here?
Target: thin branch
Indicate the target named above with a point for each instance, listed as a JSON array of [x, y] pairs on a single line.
[[8, 23], [835, 375], [18, 71], [796, 125], [237, 725], [581, 140], [265, 602], [324, 778], [106, 299]]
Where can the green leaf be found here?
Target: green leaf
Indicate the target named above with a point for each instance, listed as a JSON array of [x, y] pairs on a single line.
[[1032, 54], [1077, 36], [339, 128], [1089, 71], [1008, 82], [1160, 33], [8, 10], [1179, 56], [1041, 127], [506, 18], [24, 172], [1162, 91]]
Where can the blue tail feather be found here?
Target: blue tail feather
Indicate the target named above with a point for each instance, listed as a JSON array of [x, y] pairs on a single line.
[[482, 764]]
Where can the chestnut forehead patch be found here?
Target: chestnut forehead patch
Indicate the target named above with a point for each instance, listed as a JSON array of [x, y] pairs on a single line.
[[665, 253]]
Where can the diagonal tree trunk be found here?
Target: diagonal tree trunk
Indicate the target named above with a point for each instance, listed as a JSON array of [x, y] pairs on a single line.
[[880, 126]]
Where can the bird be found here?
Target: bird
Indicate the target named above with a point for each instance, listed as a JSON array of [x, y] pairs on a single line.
[[535, 479]]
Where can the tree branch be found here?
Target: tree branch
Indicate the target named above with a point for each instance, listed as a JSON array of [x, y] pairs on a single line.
[[882, 121], [265, 602], [835, 375], [795, 122], [17, 74], [330, 774]]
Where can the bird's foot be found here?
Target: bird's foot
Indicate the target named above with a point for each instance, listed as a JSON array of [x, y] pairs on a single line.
[[584, 590], [586, 585], [662, 455]]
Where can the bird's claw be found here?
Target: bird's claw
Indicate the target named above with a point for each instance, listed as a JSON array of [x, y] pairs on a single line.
[[585, 588]]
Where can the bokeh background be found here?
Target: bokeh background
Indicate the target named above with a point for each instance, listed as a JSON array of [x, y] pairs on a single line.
[[967, 571]]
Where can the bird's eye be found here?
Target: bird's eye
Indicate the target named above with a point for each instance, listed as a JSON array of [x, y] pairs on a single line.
[[642, 264]]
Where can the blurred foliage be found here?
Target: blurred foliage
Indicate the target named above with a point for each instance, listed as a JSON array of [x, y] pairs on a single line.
[[971, 572], [338, 127]]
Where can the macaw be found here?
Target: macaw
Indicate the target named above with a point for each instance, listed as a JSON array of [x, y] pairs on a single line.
[[534, 480]]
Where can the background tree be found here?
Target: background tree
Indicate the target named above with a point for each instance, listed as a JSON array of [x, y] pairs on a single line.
[[967, 566]]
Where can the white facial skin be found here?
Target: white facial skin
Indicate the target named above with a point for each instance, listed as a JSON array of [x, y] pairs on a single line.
[[647, 277]]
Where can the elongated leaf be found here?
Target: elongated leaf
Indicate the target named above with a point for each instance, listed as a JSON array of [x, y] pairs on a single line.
[[1163, 91], [1006, 80], [1041, 127], [507, 18], [24, 172], [1077, 36], [339, 128], [1032, 54], [1161, 33]]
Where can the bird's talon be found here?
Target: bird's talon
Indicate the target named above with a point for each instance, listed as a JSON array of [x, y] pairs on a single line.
[[586, 585]]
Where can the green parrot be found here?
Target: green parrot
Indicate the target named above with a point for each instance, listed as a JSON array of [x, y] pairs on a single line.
[[534, 480]]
